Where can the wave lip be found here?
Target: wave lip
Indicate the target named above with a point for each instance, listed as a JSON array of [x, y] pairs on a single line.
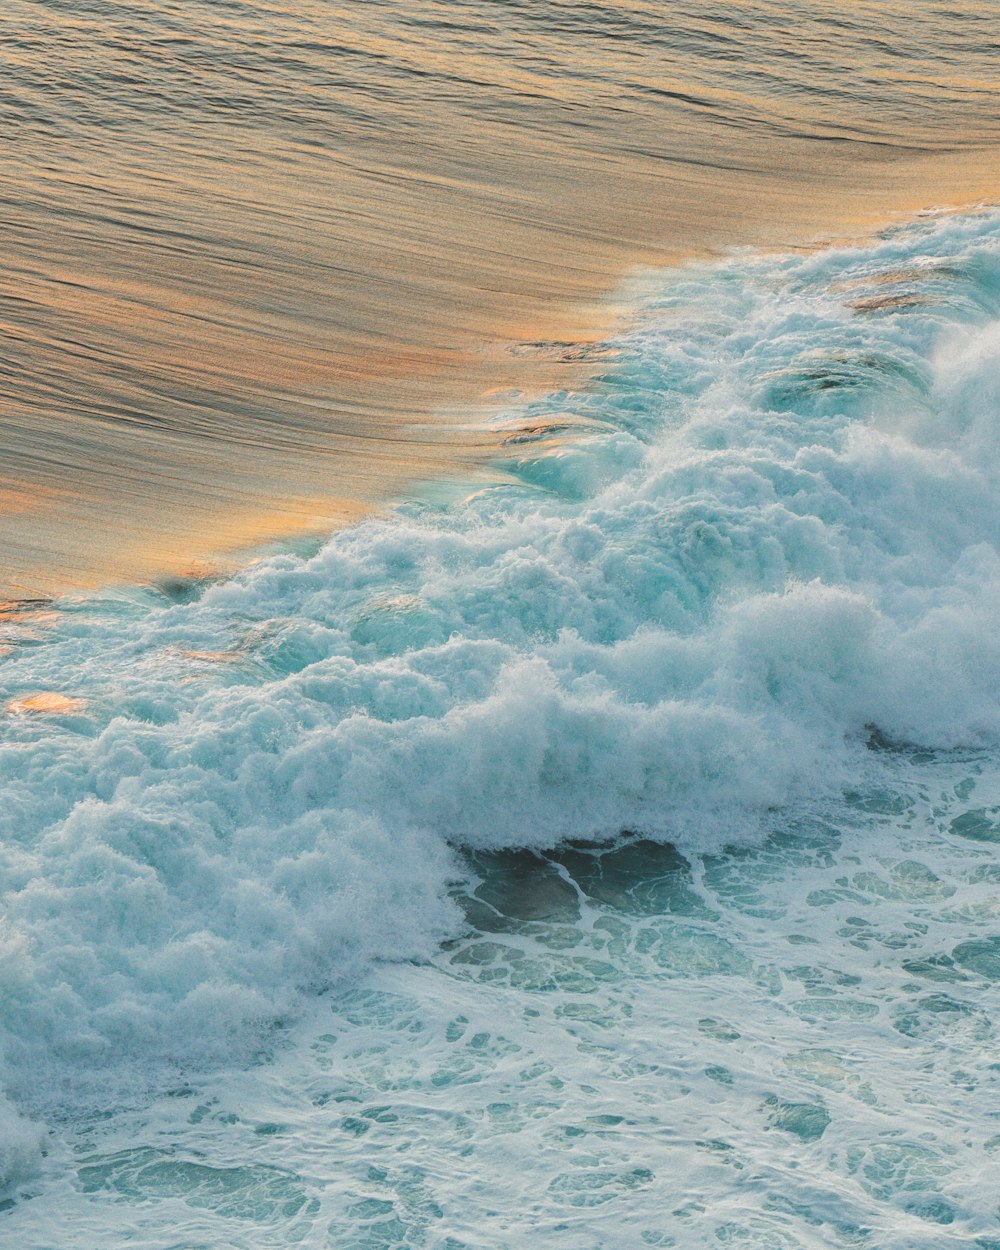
[[775, 536]]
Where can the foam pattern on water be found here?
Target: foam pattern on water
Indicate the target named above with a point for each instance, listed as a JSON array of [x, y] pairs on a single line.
[[789, 1045], [761, 560]]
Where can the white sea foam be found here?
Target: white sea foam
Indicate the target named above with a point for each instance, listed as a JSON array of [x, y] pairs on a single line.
[[21, 1148], [779, 537]]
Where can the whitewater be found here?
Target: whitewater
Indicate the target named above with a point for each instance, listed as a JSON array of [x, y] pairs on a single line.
[[600, 852]]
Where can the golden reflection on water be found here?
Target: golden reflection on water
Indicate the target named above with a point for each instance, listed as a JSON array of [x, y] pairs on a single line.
[[263, 261], [45, 703]]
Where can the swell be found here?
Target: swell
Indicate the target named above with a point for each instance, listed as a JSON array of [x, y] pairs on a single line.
[[689, 599], [261, 263]]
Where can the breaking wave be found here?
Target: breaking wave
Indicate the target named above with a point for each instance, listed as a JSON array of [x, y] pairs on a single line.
[[763, 542]]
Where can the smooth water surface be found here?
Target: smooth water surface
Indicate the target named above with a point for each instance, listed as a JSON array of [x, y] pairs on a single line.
[[262, 261]]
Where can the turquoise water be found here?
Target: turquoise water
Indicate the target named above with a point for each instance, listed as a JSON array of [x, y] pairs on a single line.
[[603, 855]]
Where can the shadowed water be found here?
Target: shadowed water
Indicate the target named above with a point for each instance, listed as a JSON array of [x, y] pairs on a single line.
[[261, 261]]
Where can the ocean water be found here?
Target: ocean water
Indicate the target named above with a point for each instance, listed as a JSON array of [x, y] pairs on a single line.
[[263, 260], [598, 852]]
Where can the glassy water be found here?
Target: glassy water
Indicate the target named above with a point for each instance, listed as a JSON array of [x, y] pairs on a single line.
[[262, 261], [601, 852]]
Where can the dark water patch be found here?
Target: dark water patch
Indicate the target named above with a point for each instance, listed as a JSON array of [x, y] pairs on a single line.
[[518, 886], [893, 303], [639, 878], [805, 1120], [981, 957], [978, 824]]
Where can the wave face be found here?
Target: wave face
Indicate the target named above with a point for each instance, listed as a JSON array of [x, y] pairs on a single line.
[[752, 568], [260, 262]]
